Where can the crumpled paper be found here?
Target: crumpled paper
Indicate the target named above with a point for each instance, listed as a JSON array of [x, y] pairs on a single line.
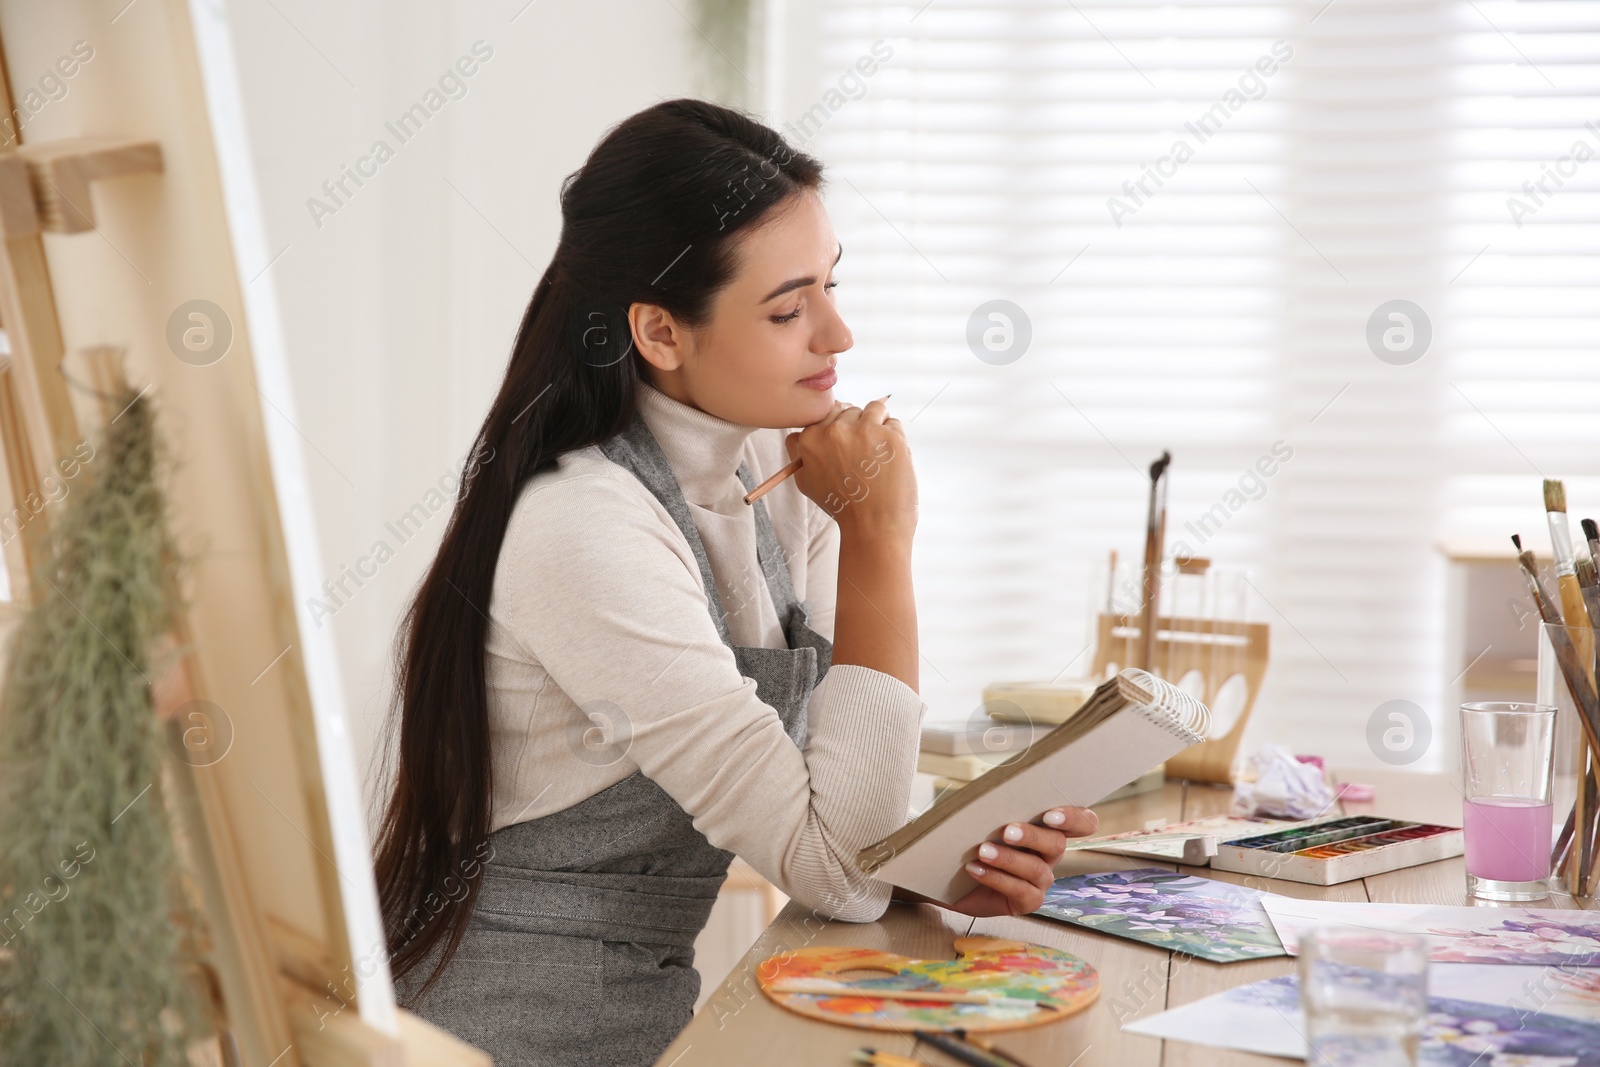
[[1283, 788]]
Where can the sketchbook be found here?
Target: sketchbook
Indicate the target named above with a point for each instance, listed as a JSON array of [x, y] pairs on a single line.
[[1132, 722]]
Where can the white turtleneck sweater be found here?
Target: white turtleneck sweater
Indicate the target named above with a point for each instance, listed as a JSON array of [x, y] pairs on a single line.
[[598, 602]]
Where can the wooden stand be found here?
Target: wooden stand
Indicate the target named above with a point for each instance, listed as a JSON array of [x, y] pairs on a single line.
[[1215, 651], [252, 817]]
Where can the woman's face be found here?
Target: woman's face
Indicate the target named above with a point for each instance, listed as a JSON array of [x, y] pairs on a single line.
[[767, 353]]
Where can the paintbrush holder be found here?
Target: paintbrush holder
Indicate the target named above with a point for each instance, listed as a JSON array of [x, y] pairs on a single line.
[[1205, 645], [1569, 736]]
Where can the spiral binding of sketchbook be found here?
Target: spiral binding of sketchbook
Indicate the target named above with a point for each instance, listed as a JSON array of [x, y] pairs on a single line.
[[1132, 723]]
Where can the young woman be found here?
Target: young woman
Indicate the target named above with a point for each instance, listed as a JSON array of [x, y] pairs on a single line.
[[617, 675]]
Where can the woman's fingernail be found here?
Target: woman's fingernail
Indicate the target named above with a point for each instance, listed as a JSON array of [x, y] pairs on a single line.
[[1055, 817], [1013, 833], [975, 869], [988, 851]]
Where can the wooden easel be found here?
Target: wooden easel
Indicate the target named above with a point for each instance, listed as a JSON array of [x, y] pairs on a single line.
[[1217, 650], [278, 953]]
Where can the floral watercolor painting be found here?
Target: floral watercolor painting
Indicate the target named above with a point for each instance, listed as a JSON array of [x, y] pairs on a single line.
[[1531, 936], [1216, 921], [1266, 1018], [1560, 990]]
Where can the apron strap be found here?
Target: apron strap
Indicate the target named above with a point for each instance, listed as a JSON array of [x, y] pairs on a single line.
[[769, 551], [636, 449]]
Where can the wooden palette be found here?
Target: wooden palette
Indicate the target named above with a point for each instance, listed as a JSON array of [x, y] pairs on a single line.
[[985, 964]]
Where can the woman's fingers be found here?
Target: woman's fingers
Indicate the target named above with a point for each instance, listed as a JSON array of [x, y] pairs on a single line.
[[1020, 877], [839, 408], [1048, 843], [875, 411], [1023, 863], [1074, 822]]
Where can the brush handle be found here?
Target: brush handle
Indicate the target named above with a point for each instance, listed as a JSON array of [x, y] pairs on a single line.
[[1580, 683], [1575, 613], [828, 988], [1561, 542], [1154, 535], [963, 1050], [884, 1059], [1576, 675]]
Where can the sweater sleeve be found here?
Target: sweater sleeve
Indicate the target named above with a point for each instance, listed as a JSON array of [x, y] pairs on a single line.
[[608, 598]]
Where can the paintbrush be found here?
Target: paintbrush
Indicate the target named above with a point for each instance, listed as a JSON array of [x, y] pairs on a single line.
[[1578, 679], [1574, 615], [783, 472], [1588, 577], [963, 1050], [1573, 609], [987, 1044], [827, 987], [1155, 533], [1591, 584]]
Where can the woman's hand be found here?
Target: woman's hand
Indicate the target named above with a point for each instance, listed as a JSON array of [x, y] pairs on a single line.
[[1013, 880], [858, 469]]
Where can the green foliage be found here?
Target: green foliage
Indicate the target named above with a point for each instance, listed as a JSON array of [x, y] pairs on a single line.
[[94, 963]]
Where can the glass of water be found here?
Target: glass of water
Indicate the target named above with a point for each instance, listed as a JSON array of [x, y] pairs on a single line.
[[1365, 995], [1507, 760]]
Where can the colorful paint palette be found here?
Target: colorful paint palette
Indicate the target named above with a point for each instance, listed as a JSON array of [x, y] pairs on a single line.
[[1039, 985], [1340, 849]]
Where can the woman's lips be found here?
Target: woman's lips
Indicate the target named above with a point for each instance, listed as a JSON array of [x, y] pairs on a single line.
[[821, 381]]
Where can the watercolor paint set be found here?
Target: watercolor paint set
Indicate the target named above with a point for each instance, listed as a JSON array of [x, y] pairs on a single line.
[[1338, 849]]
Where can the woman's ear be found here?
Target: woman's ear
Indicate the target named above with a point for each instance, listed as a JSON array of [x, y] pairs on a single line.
[[660, 339]]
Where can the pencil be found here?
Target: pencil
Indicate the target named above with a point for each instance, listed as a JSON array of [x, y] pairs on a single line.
[[777, 479], [772, 483]]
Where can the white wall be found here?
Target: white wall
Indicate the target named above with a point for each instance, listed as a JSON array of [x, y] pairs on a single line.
[[400, 305]]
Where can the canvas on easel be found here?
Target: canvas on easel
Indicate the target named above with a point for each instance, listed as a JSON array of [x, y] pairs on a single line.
[[131, 249]]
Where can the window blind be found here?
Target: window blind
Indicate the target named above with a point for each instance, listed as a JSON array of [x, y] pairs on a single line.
[[1195, 212]]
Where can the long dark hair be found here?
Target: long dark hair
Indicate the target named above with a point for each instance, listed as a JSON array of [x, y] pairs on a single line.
[[649, 218]]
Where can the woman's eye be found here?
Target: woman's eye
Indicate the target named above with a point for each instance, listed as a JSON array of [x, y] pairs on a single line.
[[795, 314], [831, 285]]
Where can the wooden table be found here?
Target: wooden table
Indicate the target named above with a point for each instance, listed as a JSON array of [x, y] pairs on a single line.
[[738, 1025]]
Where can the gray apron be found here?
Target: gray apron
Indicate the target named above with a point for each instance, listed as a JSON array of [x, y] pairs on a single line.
[[581, 948]]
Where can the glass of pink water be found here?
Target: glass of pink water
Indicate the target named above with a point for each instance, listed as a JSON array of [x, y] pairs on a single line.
[[1507, 752]]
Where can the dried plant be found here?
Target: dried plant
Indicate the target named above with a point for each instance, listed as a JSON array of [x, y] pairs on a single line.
[[92, 918]]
